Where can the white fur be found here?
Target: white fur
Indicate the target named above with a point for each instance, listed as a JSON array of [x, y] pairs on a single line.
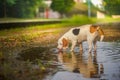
[[102, 37], [84, 35]]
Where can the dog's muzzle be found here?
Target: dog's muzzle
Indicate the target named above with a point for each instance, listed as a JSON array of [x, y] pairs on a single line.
[[60, 50]]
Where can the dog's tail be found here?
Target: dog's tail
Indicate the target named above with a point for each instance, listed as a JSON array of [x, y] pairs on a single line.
[[101, 34]]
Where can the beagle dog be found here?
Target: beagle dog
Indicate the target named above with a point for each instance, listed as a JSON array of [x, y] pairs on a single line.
[[76, 35]]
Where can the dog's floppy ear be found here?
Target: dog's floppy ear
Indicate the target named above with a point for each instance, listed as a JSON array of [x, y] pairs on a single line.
[[65, 42], [101, 34], [93, 28]]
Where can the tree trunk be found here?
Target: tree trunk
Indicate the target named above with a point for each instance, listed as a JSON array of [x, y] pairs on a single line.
[[4, 8]]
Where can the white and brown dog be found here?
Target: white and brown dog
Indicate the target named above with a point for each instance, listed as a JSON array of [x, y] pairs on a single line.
[[76, 35]]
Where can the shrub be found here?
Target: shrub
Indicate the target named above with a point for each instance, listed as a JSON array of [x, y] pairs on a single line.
[[78, 20]]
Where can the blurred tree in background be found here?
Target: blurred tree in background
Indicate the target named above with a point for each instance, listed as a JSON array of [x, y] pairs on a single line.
[[62, 6], [82, 9], [28, 8], [19, 8], [4, 4], [112, 7]]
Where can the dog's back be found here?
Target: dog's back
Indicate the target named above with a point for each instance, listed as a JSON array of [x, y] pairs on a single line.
[[84, 31]]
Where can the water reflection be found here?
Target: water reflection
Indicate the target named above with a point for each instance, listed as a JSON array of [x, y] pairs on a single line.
[[75, 62]]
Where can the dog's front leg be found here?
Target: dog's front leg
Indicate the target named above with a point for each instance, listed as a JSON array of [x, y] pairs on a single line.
[[81, 47], [90, 46], [95, 46], [73, 45]]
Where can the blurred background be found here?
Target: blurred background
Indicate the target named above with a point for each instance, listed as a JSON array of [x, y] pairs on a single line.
[[58, 8]]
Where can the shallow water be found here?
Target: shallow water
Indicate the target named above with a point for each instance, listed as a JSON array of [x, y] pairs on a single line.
[[104, 64]]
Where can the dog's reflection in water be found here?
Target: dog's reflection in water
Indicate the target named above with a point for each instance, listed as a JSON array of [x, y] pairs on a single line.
[[76, 63]]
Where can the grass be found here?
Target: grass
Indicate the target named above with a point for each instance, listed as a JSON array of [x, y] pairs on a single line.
[[31, 32], [24, 19], [79, 20], [26, 34], [76, 20], [106, 20]]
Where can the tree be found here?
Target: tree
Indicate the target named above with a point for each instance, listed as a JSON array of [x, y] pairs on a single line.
[[62, 6], [25, 8], [4, 4], [112, 6], [82, 9], [19, 8]]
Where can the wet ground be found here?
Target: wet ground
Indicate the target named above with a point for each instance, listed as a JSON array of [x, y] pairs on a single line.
[[104, 64], [46, 63]]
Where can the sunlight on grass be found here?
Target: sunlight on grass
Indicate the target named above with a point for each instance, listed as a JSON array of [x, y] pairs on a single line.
[[30, 32], [25, 20], [78, 20], [29, 29], [105, 20]]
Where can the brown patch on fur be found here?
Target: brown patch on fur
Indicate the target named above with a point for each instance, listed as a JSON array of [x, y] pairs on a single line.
[[93, 28], [65, 42]]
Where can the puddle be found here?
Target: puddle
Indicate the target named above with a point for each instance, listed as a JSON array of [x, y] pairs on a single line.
[[104, 64], [34, 53], [38, 60]]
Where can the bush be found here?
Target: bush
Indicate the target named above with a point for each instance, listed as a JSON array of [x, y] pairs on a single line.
[[78, 20]]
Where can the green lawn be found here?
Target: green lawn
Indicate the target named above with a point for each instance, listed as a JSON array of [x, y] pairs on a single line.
[[71, 22]]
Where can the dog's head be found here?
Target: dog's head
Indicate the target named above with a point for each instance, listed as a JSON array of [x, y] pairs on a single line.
[[94, 28], [62, 44]]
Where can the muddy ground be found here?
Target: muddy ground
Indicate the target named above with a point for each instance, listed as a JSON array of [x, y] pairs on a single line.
[[37, 59]]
